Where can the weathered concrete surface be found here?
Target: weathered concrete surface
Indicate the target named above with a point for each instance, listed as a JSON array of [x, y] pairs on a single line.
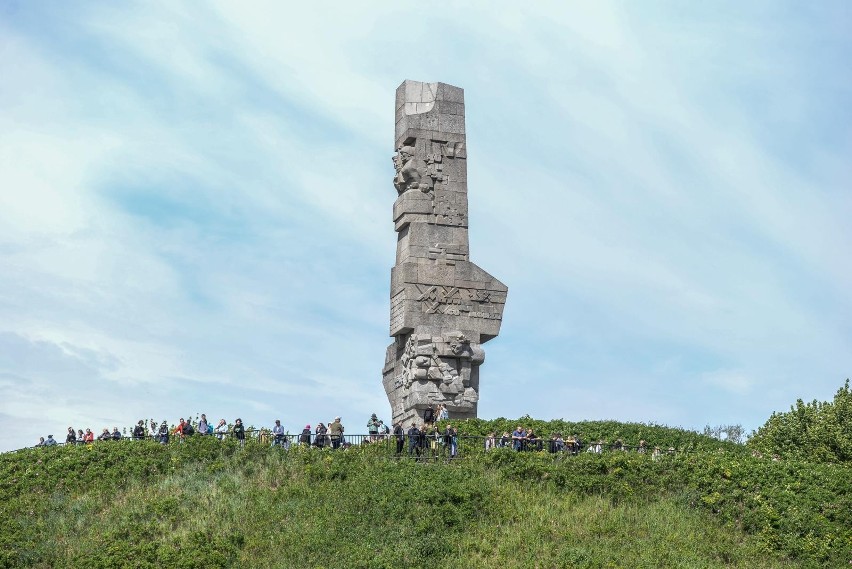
[[443, 307]]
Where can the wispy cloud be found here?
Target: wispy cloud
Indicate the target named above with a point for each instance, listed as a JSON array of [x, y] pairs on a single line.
[[195, 207]]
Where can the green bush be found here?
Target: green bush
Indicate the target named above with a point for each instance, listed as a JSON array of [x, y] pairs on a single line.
[[817, 431], [213, 504]]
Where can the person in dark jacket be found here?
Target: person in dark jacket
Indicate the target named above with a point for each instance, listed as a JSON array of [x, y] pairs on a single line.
[[451, 439], [139, 431], [240, 432], [399, 433], [70, 438], [414, 440], [116, 436], [319, 440], [305, 437], [164, 433]]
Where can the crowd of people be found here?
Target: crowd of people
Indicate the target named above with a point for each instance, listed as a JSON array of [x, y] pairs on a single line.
[[426, 438], [330, 435]]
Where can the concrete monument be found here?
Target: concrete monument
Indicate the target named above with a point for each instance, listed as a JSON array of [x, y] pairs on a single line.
[[442, 306]]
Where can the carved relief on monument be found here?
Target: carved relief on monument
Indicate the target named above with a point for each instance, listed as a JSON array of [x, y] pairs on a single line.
[[397, 310], [412, 173], [439, 370], [439, 299], [448, 253], [450, 208]]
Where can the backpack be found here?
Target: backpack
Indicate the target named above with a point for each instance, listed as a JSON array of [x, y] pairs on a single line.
[[209, 429], [188, 430]]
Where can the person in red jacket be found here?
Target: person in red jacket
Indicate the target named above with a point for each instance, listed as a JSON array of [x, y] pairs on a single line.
[[179, 429]]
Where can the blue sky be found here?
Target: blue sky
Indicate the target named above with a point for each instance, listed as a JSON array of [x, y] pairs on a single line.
[[195, 207]]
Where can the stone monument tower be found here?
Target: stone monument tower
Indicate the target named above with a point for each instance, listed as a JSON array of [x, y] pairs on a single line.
[[442, 306]]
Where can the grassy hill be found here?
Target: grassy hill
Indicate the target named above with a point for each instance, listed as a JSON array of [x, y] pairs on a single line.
[[206, 503]]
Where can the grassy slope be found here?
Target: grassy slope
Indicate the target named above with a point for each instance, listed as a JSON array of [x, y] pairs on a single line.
[[208, 504]]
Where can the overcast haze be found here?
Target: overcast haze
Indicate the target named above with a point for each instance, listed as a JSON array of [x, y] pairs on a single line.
[[196, 199]]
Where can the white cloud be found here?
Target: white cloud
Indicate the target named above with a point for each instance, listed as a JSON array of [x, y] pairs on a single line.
[[195, 210]]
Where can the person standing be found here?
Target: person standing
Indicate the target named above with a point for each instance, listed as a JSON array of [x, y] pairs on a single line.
[[221, 429], [414, 440], [202, 425], [163, 433], [336, 429], [139, 431], [373, 428], [305, 437], [178, 431], [278, 434], [399, 433], [240, 432], [519, 436], [443, 413], [491, 441], [321, 431], [448, 441]]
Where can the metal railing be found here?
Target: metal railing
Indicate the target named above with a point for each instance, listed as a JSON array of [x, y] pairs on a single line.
[[421, 445]]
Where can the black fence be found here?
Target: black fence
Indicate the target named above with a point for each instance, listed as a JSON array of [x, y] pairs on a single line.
[[422, 445]]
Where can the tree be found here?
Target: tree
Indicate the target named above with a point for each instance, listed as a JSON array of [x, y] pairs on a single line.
[[820, 430], [733, 433]]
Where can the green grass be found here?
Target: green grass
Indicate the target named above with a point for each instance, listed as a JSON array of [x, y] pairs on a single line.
[[211, 504]]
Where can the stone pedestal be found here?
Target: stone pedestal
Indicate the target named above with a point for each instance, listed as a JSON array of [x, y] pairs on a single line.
[[443, 306]]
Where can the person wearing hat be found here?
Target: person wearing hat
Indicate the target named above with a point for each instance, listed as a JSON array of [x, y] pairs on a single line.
[[305, 437], [336, 430], [373, 427], [50, 441], [163, 433]]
